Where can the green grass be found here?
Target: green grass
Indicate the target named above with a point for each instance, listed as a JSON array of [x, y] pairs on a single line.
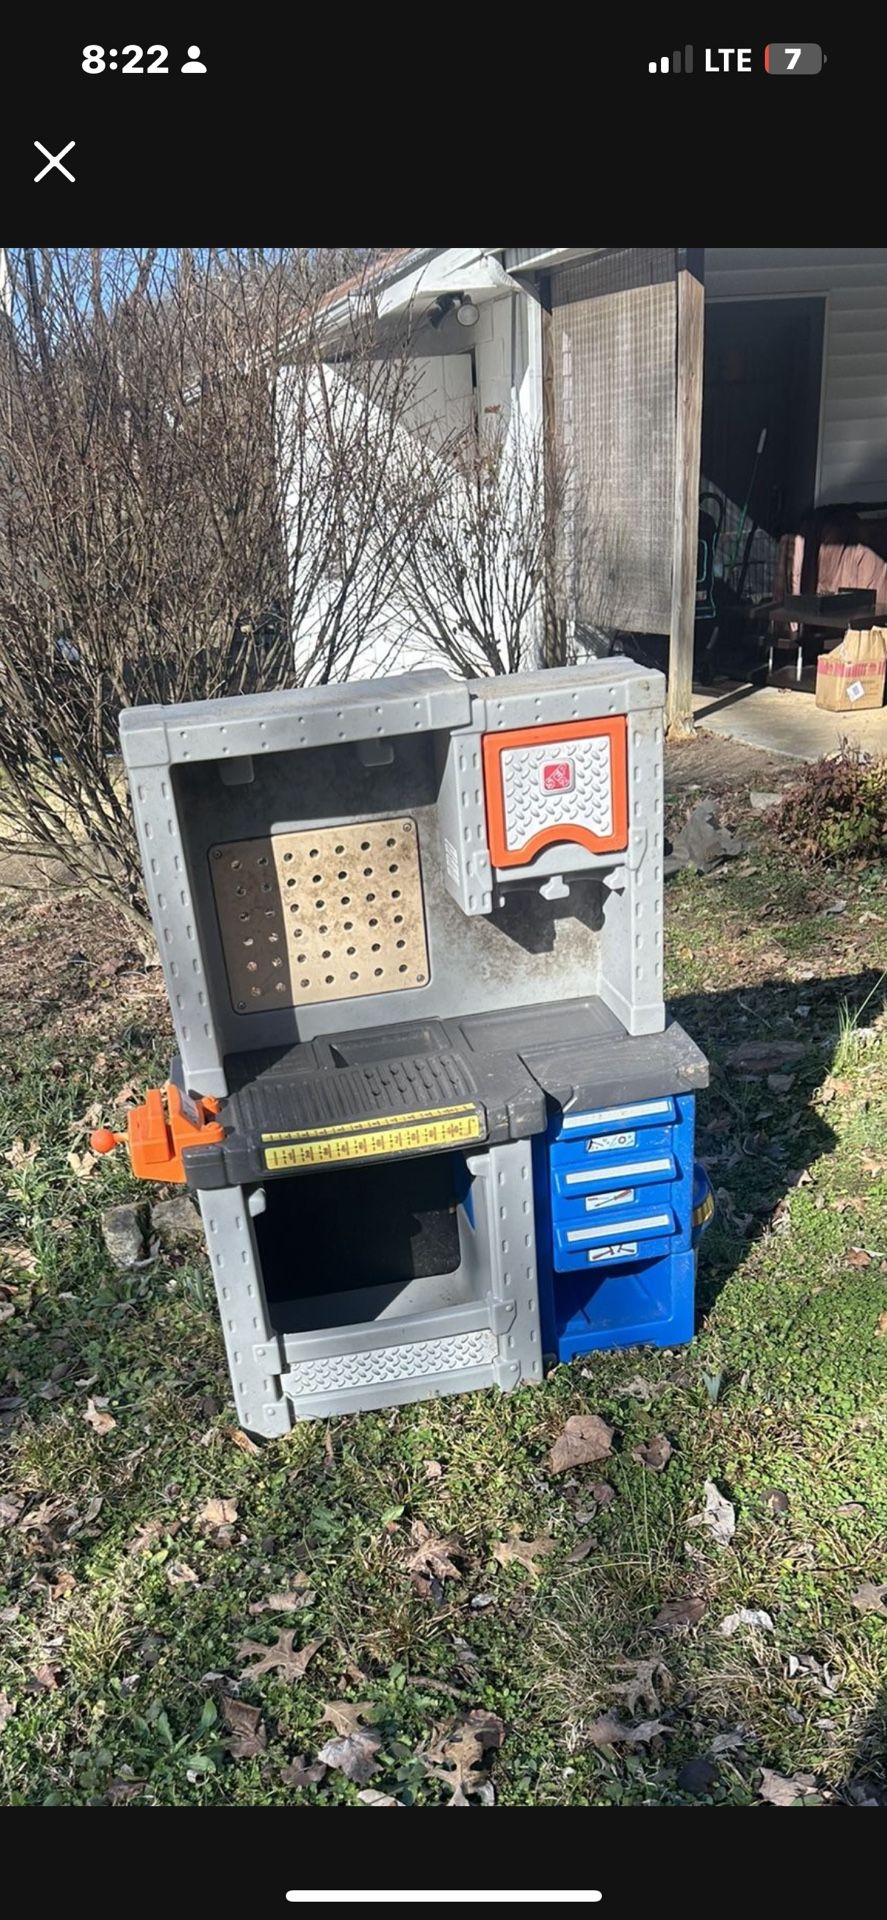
[[783, 1389]]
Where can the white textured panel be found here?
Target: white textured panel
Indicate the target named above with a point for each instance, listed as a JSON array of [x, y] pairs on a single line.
[[534, 800], [337, 1372]]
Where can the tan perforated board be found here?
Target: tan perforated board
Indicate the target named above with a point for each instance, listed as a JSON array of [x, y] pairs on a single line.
[[328, 913]]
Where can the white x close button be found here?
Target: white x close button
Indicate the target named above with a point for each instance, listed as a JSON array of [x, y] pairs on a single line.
[[54, 161]]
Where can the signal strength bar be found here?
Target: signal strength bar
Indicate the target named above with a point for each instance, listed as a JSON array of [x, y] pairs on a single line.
[[673, 63]]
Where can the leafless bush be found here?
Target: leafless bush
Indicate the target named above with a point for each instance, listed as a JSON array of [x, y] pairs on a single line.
[[480, 548], [143, 462]]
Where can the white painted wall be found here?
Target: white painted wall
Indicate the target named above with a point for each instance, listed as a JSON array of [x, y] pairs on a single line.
[[853, 423], [490, 373], [443, 401]]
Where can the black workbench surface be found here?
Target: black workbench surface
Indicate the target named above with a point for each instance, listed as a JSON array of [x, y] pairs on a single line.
[[401, 1089]]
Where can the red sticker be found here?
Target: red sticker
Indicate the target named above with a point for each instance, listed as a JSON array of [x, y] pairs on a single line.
[[557, 776]]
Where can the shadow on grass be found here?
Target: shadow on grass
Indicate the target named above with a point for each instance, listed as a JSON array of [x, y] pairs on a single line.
[[867, 1782], [758, 1126]]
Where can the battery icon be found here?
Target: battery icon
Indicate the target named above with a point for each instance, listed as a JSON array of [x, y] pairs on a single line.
[[805, 58]]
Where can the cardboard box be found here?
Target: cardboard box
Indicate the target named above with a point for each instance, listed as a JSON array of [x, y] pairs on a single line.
[[852, 676]]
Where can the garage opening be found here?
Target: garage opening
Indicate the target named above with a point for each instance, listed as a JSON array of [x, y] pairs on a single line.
[[760, 431]]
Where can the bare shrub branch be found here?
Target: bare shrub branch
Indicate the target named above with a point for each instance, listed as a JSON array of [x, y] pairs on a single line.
[[143, 465]]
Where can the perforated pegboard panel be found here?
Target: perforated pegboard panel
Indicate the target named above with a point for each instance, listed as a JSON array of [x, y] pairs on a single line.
[[327, 913]]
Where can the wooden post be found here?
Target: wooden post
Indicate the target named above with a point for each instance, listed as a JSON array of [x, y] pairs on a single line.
[[688, 444], [552, 655]]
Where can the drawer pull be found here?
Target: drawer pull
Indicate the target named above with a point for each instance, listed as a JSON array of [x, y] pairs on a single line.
[[621, 1197], [621, 1173], [572, 1122], [579, 1235]]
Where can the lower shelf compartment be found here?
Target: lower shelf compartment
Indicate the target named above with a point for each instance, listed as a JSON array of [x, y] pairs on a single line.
[[649, 1305]]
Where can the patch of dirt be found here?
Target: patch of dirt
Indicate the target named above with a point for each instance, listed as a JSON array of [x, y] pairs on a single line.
[[65, 959], [718, 765]]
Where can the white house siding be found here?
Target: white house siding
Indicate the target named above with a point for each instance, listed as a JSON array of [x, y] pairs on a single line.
[[443, 400], [505, 379], [853, 424]]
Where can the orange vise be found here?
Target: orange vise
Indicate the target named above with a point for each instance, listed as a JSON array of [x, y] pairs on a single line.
[[167, 1121]]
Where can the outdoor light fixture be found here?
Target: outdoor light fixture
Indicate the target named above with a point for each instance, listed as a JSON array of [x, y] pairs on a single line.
[[467, 313]]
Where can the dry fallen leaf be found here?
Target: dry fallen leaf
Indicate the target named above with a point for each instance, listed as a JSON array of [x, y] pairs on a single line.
[[240, 1439], [280, 1658], [679, 1613], [11, 1508], [641, 1389], [832, 1085], [97, 1417], [655, 1454], [433, 1554], [299, 1774], [874, 1163], [523, 1553], [581, 1550], [646, 1676], [7, 1708], [21, 1258], [298, 1596], [216, 1514], [353, 1754], [602, 1493], [247, 1729], [370, 1798], [46, 1676], [19, 1156], [149, 1533], [717, 1516], [881, 1325], [65, 1583], [179, 1574], [122, 1788], [779, 1791], [82, 1164], [857, 1257], [586, 1437], [346, 1715], [870, 1598], [746, 1617], [730, 1742], [607, 1732], [780, 1082], [44, 1516], [456, 1758], [433, 1471]]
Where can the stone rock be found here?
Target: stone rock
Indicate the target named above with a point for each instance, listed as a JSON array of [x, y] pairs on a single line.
[[762, 802], [702, 842], [123, 1232], [766, 1056], [177, 1224], [698, 1777]]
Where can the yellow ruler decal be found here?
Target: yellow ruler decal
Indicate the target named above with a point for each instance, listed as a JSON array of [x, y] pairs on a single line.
[[370, 1126], [448, 1131]]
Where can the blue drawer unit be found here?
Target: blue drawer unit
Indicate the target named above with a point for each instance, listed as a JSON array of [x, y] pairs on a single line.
[[614, 1209]]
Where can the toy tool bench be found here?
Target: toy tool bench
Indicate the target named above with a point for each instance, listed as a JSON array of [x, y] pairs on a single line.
[[436, 1117]]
